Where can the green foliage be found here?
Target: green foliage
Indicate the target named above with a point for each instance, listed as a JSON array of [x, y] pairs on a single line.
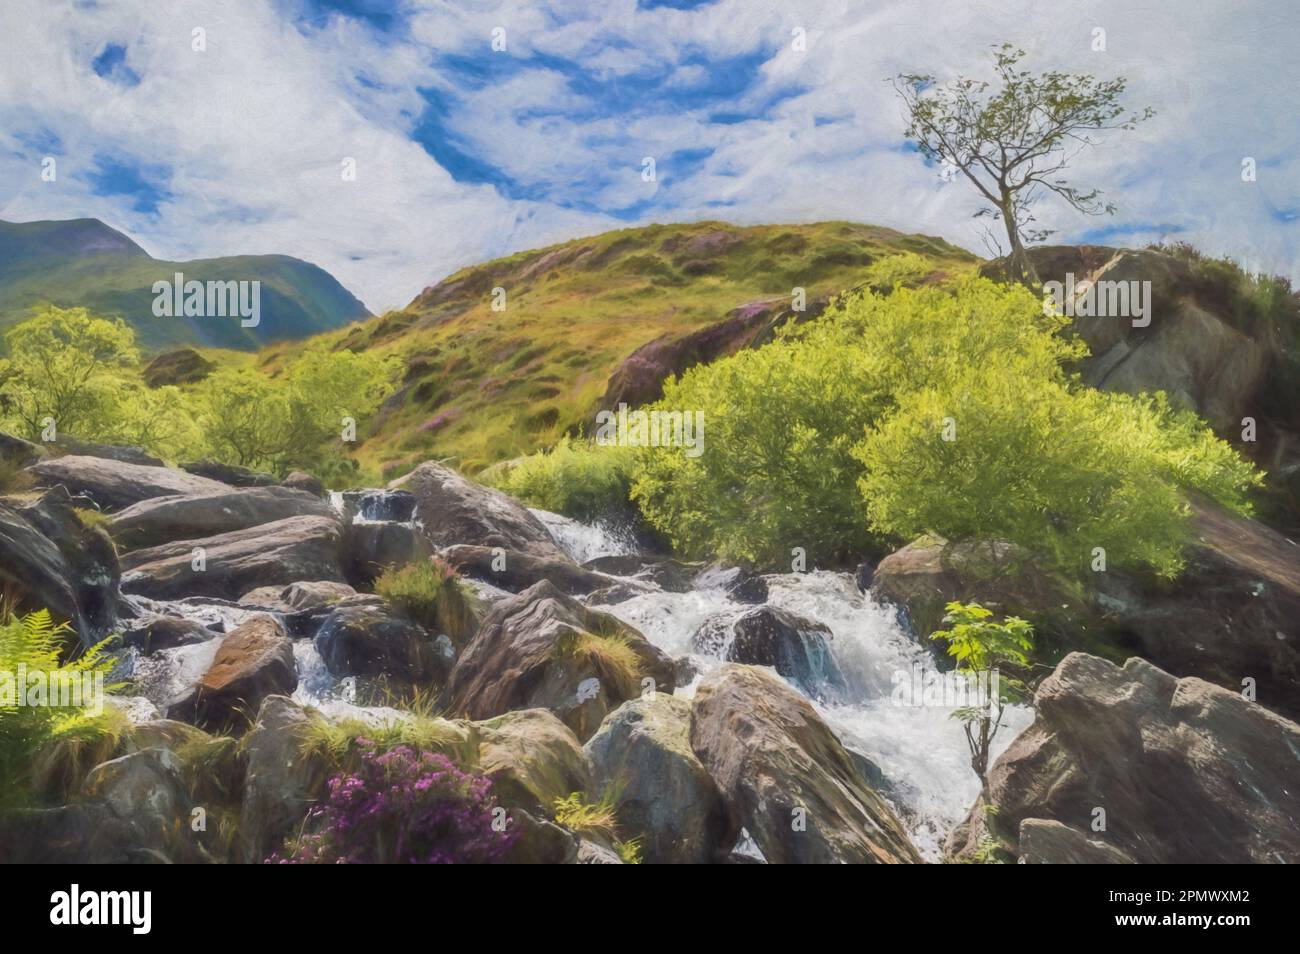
[[37, 740], [898, 271], [630, 850], [979, 644], [578, 478], [295, 421], [611, 654], [430, 593], [778, 468], [581, 815]]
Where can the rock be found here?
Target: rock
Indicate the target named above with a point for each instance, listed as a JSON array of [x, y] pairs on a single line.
[[113, 484], [778, 765], [280, 784], [671, 576], [543, 649], [539, 841], [797, 648], [50, 560], [282, 552], [178, 366], [254, 660], [86, 832], [301, 480], [1046, 842], [1186, 772], [642, 751], [16, 453], [590, 853], [742, 585], [231, 474], [152, 633], [123, 453], [532, 758], [521, 570], [146, 790], [454, 510], [160, 520], [303, 595], [371, 547], [387, 649]]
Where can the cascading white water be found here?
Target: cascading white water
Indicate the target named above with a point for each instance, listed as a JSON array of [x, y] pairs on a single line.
[[920, 749], [585, 542]]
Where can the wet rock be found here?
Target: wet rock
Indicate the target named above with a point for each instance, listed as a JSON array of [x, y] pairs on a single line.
[[454, 510], [301, 480], [797, 648], [671, 576], [517, 571], [642, 751], [376, 643], [152, 633], [283, 552], [370, 548], [254, 660], [1186, 772], [113, 485], [231, 474], [785, 776], [542, 648], [160, 520], [50, 560], [742, 585]]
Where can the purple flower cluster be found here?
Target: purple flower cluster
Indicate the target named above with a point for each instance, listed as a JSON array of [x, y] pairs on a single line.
[[402, 807]]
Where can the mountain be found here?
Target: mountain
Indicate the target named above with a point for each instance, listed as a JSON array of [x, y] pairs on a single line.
[[594, 321], [85, 262]]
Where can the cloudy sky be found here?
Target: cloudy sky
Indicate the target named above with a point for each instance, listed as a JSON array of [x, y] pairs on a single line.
[[463, 152]]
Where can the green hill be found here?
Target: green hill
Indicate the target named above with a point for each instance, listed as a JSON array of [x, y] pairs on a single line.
[[483, 385], [85, 262]]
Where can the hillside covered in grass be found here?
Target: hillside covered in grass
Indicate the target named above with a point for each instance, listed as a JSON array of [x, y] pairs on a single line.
[[484, 385]]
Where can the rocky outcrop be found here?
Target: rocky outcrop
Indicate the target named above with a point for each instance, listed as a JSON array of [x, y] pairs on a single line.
[[454, 510], [543, 649], [254, 660], [282, 552], [113, 484], [384, 648], [165, 519], [50, 560], [146, 790], [175, 367], [664, 795], [785, 776], [122, 453], [1156, 769], [280, 784], [531, 757], [516, 571], [370, 547], [797, 648]]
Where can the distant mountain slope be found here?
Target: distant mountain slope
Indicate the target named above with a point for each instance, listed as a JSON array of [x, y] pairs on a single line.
[[85, 262], [484, 385]]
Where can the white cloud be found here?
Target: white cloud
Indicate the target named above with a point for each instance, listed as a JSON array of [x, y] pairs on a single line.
[[255, 128]]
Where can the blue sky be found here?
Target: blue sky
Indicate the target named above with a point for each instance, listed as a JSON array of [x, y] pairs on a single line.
[[464, 151]]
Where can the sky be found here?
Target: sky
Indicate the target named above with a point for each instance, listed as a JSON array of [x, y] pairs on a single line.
[[480, 128]]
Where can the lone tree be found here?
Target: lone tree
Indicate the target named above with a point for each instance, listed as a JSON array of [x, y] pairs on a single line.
[[1014, 139]]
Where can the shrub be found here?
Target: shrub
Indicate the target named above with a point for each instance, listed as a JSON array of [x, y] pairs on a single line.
[[577, 478], [402, 807], [43, 746], [898, 271], [430, 593], [611, 655], [579, 814]]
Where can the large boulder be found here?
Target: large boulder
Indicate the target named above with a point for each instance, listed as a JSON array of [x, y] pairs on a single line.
[[282, 552], [231, 474], [785, 776], [254, 660], [146, 790], [280, 783], [87, 832], [532, 759], [797, 648], [1173, 771], [517, 571], [452, 509], [114, 484], [372, 546], [543, 649], [50, 560], [166, 519], [665, 796], [386, 649]]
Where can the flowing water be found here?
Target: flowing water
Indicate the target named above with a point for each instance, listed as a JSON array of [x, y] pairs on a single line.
[[920, 750]]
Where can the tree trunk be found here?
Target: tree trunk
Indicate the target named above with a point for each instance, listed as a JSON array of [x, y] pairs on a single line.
[[1022, 268]]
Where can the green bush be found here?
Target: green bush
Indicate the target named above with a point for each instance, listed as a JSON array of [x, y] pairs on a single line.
[[577, 478], [431, 594]]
